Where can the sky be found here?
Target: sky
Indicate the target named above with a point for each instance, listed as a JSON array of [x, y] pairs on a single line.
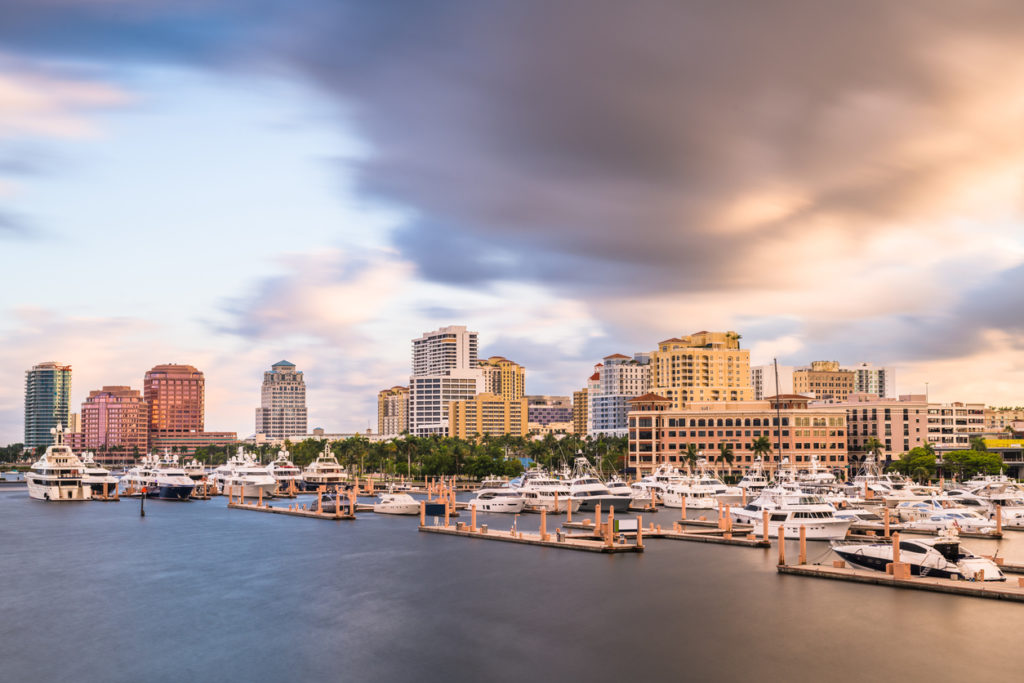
[[228, 184]]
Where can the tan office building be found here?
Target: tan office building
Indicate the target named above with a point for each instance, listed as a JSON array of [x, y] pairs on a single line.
[[487, 414], [701, 367], [504, 378], [824, 379], [393, 411]]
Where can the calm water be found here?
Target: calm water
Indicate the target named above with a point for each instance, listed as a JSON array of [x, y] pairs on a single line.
[[91, 592]]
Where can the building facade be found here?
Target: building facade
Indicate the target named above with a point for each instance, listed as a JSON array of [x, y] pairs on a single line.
[[998, 419], [660, 434], [487, 414], [951, 425], [546, 409], [445, 369], [614, 382], [872, 379], [175, 396], [282, 411], [503, 377], [764, 383], [392, 411], [701, 367], [824, 379], [899, 424], [579, 411], [115, 417], [47, 402]]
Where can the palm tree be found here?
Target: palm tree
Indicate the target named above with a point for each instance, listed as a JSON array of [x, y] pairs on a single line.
[[978, 444], [691, 455], [725, 453], [874, 447], [761, 447]]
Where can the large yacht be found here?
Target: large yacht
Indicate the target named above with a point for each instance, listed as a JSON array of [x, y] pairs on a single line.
[[248, 478], [285, 472], [586, 489], [497, 500], [100, 480], [539, 494], [396, 504], [163, 480], [697, 496], [754, 481], [57, 475], [792, 510], [324, 471], [940, 558]]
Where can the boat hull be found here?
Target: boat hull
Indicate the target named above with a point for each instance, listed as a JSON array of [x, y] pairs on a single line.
[[508, 507], [172, 492], [61, 494], [616, 503], [879, 564]]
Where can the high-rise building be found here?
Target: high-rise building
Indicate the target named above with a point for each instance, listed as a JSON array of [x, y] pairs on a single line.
[[764, 381], [871, 379], [47, 402], [444, 369], [701, 367], [392, 411], [579, 411], [115, 416], [504, 378], [175, 396], [615, 381], [544, 410], [74, 423], [487, 414], [824, 379], [282, 411]]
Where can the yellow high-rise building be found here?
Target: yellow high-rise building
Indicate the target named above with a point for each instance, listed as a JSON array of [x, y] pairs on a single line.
[[579, 412], [704, 366], [824, 379], [393, 411], [504, 378], [487, 414]]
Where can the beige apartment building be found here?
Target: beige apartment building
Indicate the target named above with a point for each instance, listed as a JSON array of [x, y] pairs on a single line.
[[998, 419], [393, 411], [579, 411], [701, 367], [504, 378], [487, 414], [899, 424], [824, 379]]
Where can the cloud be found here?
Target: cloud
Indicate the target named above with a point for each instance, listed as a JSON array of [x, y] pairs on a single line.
[[15, 227]]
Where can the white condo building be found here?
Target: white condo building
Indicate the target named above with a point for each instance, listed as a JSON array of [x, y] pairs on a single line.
[[763, 380], [282, 411], [444, 369], [872, 379], [615, 381]]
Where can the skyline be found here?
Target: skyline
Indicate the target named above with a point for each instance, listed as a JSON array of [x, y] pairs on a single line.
[[229, 185]]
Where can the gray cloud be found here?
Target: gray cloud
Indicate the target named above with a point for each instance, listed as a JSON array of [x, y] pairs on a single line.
[[13, 226]]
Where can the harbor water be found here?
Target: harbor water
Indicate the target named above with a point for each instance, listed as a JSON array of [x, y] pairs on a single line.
[[194, 591]]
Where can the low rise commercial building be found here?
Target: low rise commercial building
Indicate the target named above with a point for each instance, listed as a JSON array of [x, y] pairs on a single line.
[[899, 424], [660, 434], [487, 414], [952, 425]]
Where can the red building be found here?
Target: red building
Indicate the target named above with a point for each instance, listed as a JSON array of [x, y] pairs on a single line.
[[175, 396]]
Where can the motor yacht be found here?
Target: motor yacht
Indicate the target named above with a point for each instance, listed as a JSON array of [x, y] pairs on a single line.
[[498, 500], [867, 519], [697, 496], [324, 471], [97, 478], [754, 481], [587, 491], [540, 494], [57, 475], [939, 558], [159, 480], [195, 470], [396, 504], [617, 487], [249, 478], [285, 472], [792, 510], [955, 520]]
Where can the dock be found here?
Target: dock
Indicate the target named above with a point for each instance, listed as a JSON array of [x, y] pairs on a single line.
[[294, 511], [996, 590], [556, 540]]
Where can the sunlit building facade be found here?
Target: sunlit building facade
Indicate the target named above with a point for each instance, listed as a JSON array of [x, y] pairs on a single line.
[[47, 402]]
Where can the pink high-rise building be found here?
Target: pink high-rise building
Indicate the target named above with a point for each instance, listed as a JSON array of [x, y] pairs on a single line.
[[115, 416], [175, 396]]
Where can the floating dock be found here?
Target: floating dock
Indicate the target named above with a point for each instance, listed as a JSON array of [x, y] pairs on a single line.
[[996, 590], [556, 540], [293, 511]]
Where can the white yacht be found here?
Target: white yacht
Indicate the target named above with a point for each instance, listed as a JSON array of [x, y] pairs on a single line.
[[396, 504], [324, 471], [249, 478], [792, 510], [498, 500], [754, 481], [539, 494], [586, 490], [57, 475], [955, 520], [168, 482], [285, 472], [617, 487], [97, 478], [697, 496], [939, 558], [195, 470]]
